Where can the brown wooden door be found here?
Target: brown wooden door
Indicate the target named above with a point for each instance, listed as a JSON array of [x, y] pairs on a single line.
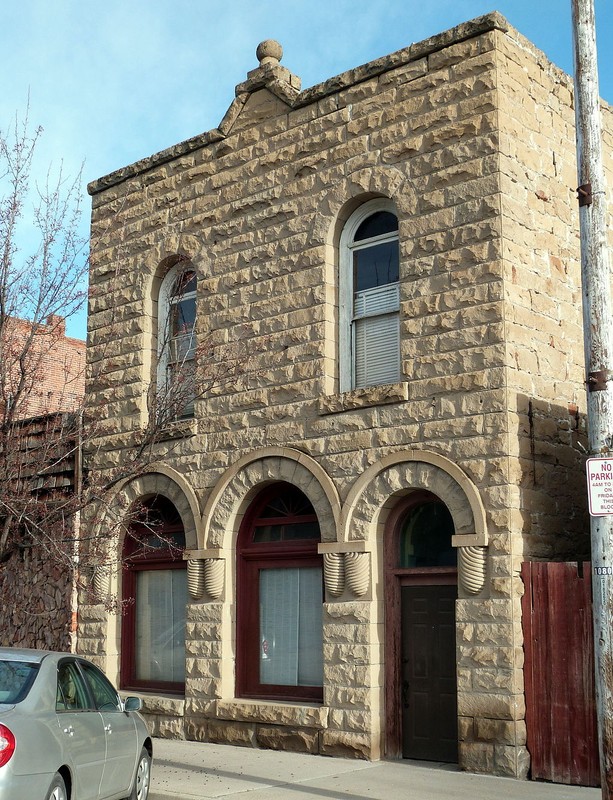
[[428, 673]]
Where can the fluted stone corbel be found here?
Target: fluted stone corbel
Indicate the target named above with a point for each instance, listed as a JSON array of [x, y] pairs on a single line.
[[101, 584], [357, 572], [195, 578], [214, 569], [334, 573], [473, 566]]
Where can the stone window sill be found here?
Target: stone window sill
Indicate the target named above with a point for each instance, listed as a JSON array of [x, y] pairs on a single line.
[[181, 429], [158, 703], [364, 398], [275, 713]]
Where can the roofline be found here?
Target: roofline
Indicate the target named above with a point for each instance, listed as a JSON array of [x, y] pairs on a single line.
[[460, 33]]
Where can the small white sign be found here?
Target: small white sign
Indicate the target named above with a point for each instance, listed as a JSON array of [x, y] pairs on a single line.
[[600, 486]]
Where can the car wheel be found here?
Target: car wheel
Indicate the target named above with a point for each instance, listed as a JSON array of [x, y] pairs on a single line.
[[140, 790], [57, 790]]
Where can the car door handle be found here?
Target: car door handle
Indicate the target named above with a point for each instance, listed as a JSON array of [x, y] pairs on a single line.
[[69, 730], [108, 728]]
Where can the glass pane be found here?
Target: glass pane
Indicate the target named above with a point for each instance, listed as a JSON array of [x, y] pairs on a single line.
[[16, 677], [291, 626], [183, 348], [181, 382], [71, 692], [161, 597], [377, 224], [283, 533], [105, 696], [375, 266], [425, 538], [290, 502], [182, 316], [185, 283]]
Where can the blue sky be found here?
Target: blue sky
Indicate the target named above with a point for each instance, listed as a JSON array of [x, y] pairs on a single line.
[[112, 81]]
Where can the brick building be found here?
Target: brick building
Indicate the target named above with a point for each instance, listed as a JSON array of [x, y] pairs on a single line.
[[51, 364], [398, 248], [43, 380]]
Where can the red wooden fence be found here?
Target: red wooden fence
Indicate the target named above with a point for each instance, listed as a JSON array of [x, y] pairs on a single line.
[[559, 673]]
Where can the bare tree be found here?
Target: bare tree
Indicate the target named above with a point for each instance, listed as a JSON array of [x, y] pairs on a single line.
[[43, 432]]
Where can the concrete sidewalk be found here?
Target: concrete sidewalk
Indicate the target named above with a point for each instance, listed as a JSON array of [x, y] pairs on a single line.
[[187, 770]]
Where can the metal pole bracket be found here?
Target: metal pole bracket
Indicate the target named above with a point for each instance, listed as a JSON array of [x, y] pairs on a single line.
[[584, 194], [597, 381]]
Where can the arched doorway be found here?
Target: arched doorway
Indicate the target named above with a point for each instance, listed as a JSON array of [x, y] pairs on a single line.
[[421, 590]]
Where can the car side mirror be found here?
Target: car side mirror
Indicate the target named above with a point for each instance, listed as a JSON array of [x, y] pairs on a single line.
[[132, 704]]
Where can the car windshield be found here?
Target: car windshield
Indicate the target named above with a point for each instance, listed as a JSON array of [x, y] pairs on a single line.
[[16, 678]]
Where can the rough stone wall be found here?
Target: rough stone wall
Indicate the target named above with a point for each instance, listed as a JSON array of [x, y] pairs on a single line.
[[488, 273], [36, 604], [543, 303], [254, 213]]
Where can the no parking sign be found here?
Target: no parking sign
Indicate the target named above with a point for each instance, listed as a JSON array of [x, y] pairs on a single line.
[[600, 486]]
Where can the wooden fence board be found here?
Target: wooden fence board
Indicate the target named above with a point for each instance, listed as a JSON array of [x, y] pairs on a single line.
[[559, 673]]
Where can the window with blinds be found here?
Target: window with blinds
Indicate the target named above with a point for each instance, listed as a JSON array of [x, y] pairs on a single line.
[[154, 593], [177, 343], [279, 598], [370, 298]]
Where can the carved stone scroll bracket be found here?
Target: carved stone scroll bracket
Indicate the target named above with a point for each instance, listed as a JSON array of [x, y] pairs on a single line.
[[101, 581], [214, 571], [195, 578], [205, 573], [346, 567], [334, 573], [473, 567], [357, 569]]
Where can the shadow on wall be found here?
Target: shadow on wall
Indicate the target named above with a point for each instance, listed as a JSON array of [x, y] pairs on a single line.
[[552, 450]]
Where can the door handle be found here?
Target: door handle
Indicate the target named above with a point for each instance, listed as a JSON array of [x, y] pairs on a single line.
[[108, 728], [69, 730]]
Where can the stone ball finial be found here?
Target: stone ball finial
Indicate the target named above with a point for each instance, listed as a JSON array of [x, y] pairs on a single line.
[[269, 52]]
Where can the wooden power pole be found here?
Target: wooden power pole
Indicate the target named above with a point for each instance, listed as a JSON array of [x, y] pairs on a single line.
[[598, 332]]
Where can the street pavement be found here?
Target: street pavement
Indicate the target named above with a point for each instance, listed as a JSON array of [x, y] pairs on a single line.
[[187, 770]]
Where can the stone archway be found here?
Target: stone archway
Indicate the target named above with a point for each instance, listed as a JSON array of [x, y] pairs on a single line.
[[221, 521], [368, 516]]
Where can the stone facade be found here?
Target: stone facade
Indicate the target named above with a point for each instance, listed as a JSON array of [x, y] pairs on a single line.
[[471, 135]]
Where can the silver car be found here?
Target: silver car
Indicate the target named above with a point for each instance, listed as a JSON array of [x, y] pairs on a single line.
[[65, 734]]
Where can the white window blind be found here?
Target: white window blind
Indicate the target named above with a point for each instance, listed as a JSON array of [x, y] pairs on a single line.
[[376, 338], [161, 598], [291, 626]]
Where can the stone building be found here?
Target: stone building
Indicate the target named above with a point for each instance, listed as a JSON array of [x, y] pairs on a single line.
[[395, 254]]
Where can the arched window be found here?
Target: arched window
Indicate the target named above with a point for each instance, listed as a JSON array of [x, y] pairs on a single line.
[[425, 537], [280, 596], [176, 377], [369, 297], [155, 598]]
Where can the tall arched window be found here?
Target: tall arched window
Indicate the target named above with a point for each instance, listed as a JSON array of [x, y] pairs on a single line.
[[280, 596], [176, 376], [369, 297], [154, 592]]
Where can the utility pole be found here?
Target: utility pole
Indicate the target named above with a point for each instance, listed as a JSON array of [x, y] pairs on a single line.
[[598, 333]]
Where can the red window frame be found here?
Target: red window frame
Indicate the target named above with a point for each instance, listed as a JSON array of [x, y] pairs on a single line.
[[252, 557], [136, 560]]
